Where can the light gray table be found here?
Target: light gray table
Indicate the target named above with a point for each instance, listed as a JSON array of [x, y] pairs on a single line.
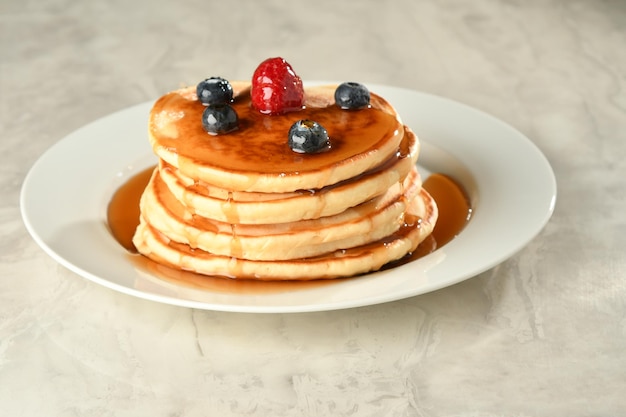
[[542, 334]]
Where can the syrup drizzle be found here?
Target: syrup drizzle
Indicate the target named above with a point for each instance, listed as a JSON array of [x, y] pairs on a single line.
[[453, 204], [123, 218], [123, 209]]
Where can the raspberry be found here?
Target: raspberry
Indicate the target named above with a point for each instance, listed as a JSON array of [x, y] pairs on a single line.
[[276, 88]]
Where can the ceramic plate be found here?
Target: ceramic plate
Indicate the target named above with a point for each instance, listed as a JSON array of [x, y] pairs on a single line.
[[510, 183]]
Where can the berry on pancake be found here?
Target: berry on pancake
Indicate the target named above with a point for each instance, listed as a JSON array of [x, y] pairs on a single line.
[[214, 90], [276, 88], [308, 136], [351, 95], [219, 118]]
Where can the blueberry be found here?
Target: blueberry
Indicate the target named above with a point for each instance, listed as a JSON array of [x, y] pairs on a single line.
[[214, 90], [307, 136], [219, 118], [351, 95]]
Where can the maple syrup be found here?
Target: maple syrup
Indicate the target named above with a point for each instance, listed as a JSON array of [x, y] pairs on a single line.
[[123, 218], [260, 145], [257, 158], [123, 209], [453, 205], [454, 213]]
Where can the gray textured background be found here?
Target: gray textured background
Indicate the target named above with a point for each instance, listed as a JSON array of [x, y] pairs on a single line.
[[543, 334]]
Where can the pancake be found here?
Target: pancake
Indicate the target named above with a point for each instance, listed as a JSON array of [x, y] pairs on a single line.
[[365, 223], [256, 157], [244, 205], [262, 208], [420, 218]]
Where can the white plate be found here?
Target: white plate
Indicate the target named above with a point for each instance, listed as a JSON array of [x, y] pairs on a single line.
[[510, 183]]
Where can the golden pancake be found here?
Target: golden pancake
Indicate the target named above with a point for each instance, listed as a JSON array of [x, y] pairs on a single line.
[[256, 157], [366, 223], [262, 208], [244, 205], [420, 219]]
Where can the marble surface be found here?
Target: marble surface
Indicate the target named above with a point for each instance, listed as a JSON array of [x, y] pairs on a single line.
[[542, 334]]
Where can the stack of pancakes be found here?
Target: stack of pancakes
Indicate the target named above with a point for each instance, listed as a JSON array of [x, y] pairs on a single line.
[[244, 205]]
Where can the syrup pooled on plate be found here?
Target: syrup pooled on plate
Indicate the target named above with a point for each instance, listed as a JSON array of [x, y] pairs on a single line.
[[123, 209], [123, 218], [453, 204], [454, 213], [271, 180]]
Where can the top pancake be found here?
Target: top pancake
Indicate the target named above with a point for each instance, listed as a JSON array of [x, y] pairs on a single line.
[[257, 156]]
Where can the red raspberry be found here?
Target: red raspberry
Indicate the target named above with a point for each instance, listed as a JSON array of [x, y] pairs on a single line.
[[276, 88]]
